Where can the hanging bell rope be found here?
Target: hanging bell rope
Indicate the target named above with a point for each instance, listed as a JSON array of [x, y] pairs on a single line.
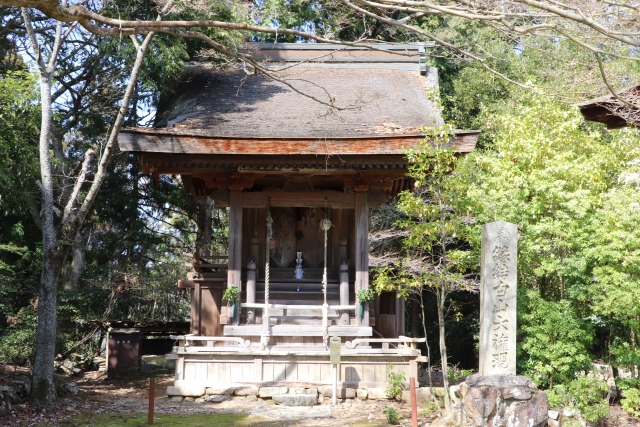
[[325, 224], [266, 333]]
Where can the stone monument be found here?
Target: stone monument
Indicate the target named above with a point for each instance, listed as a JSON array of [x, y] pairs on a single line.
[[498, 284], [496, 396]]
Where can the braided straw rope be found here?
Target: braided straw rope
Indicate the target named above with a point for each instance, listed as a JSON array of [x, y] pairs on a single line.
[[266, 264], [266, 333], [325, 224]]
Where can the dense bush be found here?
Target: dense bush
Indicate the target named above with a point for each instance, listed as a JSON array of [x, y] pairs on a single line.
[[587, 394], [630, 400], [18, 343], [555, 341]]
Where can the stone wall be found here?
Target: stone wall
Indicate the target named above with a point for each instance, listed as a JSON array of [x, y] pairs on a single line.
[[13, 393]]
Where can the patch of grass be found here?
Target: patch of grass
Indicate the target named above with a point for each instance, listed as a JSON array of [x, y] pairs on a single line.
[[160, 420], [393, 417]]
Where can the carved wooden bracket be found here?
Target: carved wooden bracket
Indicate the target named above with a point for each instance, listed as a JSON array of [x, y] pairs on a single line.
[[361, 183], [238, 181]]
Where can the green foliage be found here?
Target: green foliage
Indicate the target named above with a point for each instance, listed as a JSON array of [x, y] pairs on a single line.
[[393, 417], [230, 294], [457, 375], [556, 343], [19, 128], [365, 295], [630, 400], [590, 395], [431, 409], [557, 396], [585, 393], [394, 383], [561, 180], [17, 345], [436, 230]]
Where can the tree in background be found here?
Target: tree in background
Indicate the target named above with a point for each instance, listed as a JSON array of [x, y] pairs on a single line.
[[602, 33], [434, 255], [561, 179], [19, 115], [614, 252], [82, 98]]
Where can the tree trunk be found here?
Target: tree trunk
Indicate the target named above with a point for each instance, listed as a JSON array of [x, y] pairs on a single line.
[[43, 391], [53, 249], [426, 343], [203, 235], [440, 295], [75, 269]]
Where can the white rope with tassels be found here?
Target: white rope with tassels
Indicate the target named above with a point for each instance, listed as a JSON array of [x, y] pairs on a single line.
[[266, 331], [325, 224]]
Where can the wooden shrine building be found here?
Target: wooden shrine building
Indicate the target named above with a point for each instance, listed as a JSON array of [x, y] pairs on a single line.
[[324, 140]]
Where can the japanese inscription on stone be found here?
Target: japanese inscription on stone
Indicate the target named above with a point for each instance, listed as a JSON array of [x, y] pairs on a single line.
[[498, 299]]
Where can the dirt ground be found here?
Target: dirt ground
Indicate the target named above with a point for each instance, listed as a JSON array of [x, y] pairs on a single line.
[[123, 401]]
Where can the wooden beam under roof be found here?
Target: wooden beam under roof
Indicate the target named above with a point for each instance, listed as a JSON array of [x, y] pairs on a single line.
[[172, 143]]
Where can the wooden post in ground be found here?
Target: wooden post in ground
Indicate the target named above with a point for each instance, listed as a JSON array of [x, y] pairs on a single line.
[[254, 253], [152, 392], [362, 253], [251, 291], [344, 292], [235, 248], [414, 407]]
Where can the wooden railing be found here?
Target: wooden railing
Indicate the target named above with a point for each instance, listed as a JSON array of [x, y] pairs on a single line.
[[299, 306], [185, 341], [402, 341], [405, 345]]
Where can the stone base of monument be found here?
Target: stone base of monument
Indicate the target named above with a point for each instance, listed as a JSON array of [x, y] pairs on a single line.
[[499, 401]]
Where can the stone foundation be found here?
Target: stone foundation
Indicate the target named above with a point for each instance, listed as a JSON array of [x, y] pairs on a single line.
[[500, 401], [317, 394]]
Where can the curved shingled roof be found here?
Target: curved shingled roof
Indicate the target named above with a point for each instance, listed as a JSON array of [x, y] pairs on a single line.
[[369, 99]]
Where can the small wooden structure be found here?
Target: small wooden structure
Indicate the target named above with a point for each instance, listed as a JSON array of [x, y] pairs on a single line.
[[128, 341], [614, 111], [324, 141]]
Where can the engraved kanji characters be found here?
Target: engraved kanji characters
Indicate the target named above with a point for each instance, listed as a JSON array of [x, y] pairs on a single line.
[[500, 322], [500, 342]]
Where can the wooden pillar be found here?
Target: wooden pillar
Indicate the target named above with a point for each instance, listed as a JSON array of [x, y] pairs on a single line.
[[251, 291], [342, 252], [400, 316], [344, 292], [362, 253], [234, 277], [195, 309], [254, 253]]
